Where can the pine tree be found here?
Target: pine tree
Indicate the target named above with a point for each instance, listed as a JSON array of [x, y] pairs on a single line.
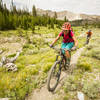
[[11, 7], [1, 5], [33, 26], [34, 13], [14, 18], [49, 20], [55, 15], [52, 24], [14, 10], [65, 20]]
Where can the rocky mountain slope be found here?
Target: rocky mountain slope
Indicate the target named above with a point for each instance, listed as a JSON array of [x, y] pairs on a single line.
[[69, 15]]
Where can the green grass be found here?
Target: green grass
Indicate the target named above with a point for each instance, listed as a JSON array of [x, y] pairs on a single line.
[[84, 64], [86, 77], [45, 30], [32, 69], [28, 66], [33, 63]]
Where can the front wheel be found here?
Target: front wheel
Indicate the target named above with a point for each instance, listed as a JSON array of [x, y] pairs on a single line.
[[54, 76]]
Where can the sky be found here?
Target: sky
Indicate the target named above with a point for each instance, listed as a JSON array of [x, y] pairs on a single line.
[[77, 6]]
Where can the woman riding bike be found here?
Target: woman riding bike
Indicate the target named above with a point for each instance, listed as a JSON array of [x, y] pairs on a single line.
[[89, 33], [69, 39]]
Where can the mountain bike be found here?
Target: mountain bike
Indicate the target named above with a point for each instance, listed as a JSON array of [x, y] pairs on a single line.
[[87, 40], [55, 71]]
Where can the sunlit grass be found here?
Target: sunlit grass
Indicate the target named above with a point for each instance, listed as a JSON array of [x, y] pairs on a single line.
[[33, 63], [88, 68]]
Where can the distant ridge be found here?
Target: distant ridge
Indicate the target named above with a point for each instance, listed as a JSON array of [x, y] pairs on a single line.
[[69, 15]]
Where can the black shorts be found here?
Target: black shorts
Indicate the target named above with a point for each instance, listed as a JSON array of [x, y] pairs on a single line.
[[88, 35]]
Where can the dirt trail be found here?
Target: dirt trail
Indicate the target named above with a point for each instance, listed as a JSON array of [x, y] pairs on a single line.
[[43, 93]]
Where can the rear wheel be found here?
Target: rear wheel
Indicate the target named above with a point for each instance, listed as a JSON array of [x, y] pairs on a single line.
[[87, 40], [54, 76]]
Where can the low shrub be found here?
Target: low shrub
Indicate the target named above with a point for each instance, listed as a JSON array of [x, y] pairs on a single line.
[[29, 46], [85, 66], [92, 90]]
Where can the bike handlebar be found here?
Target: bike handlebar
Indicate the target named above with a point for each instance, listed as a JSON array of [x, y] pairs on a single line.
[[62, 48], [57, 48]]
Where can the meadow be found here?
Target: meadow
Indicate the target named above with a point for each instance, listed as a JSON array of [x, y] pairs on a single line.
[[34, 62]]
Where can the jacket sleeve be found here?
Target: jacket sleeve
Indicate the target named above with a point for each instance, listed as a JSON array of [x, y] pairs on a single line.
[[60, 34]]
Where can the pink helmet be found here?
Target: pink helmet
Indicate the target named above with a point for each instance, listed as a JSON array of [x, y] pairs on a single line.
[[66, 26]]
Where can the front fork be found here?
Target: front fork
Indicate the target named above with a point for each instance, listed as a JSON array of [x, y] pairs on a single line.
[[61, 60], [57, 57]]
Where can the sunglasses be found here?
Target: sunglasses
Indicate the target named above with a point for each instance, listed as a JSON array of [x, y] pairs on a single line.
[[65, 30]]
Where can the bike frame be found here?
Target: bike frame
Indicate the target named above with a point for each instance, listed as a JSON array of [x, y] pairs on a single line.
[[60, 62], [63, 57]]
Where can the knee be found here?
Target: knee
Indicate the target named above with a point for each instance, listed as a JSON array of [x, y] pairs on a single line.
[[66, 51]]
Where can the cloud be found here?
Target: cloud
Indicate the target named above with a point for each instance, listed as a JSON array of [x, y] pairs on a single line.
[[79, 6]]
